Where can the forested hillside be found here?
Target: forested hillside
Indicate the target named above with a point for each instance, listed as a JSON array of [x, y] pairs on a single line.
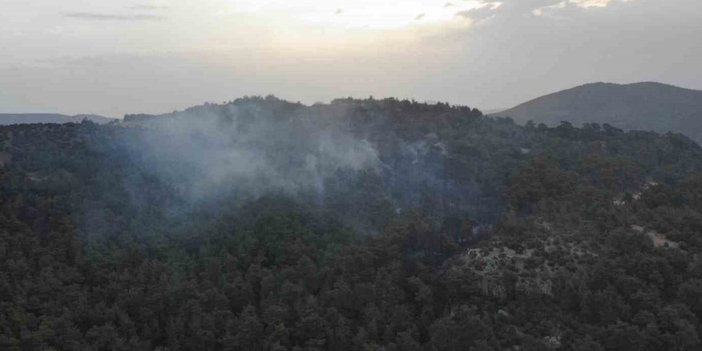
[[261, 224]]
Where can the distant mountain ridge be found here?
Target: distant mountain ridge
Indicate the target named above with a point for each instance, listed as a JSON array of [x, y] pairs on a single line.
[[29, 118], [638, 106]]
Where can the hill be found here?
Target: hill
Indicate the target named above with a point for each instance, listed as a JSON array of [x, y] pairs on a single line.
[[29, 118], [640, 106], [262, 224]]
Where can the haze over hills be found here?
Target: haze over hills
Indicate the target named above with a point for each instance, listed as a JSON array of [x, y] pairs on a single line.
[[263, 224], [27, 118], [639, 106]]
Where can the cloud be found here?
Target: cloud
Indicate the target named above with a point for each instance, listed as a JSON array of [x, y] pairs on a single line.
[[550, 9], [481, 13], [546, 10], [590, 3], [112, 17], [146, 7]]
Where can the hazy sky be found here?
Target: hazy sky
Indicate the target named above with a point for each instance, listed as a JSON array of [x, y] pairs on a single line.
[[116, 57]]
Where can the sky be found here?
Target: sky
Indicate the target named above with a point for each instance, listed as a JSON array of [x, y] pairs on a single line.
[[112, 58]]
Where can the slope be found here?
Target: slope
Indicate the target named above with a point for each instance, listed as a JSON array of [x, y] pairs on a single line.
[[640, 106]]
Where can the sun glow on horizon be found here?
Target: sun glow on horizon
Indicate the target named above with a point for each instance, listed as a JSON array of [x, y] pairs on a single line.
[[359, 14]]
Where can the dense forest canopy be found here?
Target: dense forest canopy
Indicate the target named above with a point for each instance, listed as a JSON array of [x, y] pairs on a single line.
[[261, 224]]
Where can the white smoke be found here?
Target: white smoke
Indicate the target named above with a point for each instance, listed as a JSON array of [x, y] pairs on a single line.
[[249, 150]]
